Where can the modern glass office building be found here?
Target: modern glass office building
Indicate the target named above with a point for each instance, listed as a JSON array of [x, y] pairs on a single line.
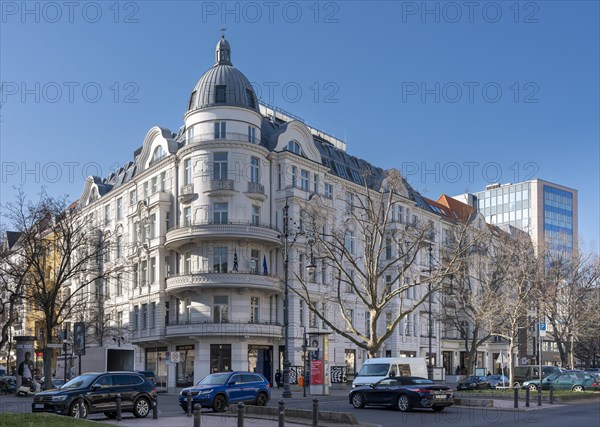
[[546, 211]]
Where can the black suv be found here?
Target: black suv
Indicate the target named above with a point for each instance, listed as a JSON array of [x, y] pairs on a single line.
[[99, 392]]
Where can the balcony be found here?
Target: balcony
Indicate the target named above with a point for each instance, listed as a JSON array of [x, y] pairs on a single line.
[[221, 187], [206, 280], [234, 329], [186, 193], [144, 335], [256, 191], [179, 236], [156, 198]]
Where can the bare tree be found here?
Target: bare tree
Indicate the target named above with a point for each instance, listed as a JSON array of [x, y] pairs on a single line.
[[371, 255], [518, 273], [63, 253], [469, 305], [570, 286]]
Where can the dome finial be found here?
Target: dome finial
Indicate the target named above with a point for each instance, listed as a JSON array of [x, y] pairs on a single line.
[[223, 51]]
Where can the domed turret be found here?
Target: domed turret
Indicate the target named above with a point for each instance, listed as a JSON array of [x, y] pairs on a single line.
[[223, 84]]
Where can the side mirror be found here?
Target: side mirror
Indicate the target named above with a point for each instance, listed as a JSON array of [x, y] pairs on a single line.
[[96, 386], [230, 383], [372, 385]]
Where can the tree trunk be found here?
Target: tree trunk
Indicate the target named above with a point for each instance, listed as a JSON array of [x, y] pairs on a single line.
[[48, 368], [511, 348]]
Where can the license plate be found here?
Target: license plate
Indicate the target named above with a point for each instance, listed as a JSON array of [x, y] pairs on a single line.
[[39, 406], [439, 396]]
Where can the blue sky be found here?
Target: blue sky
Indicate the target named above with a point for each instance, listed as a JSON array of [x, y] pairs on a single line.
[[457, 98]]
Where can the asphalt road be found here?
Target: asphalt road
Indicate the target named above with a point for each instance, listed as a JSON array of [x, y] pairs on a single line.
[[582, 414]]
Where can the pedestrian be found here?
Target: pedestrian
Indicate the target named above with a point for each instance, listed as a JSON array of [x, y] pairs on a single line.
[[457, 371], [26, 370], [278, 378]]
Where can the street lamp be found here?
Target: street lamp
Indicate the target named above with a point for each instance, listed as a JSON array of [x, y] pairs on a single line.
[[430, 332]]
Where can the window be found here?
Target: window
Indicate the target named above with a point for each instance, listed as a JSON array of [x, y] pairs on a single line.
[[221, 309], [220, 165], [188, 310], [190, 135], [187, 263], [254, 170], [119, 208], [136, 277], [255, 215], [144, 316], [153, 315], [279, 177], [399, 216], [254, 260], [220, 130], [187, 216], [136, 316], [250, 98], [251, 134], [350, 319], [350, 201], [163, 181], [388, 320], [166, 312], [220, 259], [144, 272], [388, 284], [154, 187], [304, 180], [119, 320], [220, 97], [301, 266], [119, 248], [312, 320], [191, 100], [220, 213], [152, 226], [301, 313], [107, 215], [119, 285], [187, 171], [152, 270], [316, 184], [388, 248], [107, 288], [349, 241], [294, 174], [254, 309], [132, 197], [158, 155], [328, 191], [294, 147], [145, 189]]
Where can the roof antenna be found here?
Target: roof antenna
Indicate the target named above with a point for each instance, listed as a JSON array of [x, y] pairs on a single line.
[[222, 30]]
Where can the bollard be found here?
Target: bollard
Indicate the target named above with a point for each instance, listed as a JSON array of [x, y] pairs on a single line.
[[281, 413], [315, 419], [552, 395], [189, 403], [516, 397], [155, 408], [80, 407], [540, 396], [197, 415], [527, 392], [118, 406], [240, 414]]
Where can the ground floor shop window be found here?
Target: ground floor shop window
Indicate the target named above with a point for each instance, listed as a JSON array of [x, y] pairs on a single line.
[[260, 359], [220, 358], [156, 361], [185, 368]]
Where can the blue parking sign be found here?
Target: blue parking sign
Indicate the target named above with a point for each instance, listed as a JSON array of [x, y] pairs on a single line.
[[542, 326]]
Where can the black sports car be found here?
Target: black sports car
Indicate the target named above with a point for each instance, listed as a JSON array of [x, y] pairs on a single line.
[[403, 393], [473, 382]]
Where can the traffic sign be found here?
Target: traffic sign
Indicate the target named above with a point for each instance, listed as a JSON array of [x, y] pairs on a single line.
[[542, 329]]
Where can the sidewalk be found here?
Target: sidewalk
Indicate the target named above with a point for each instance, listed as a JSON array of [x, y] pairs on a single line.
[[206, 421]]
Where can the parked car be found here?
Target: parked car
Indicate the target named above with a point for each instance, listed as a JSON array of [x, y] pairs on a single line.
[[473, 382], [498, 381], [403, 393], [149, 375], [100, 395], [56, 382], [569, 380], [531, 372], [218, 390]]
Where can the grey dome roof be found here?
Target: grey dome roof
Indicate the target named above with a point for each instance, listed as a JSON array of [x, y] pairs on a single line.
[[235, 89]]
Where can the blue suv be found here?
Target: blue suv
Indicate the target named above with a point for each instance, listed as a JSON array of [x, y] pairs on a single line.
[[218, 390]]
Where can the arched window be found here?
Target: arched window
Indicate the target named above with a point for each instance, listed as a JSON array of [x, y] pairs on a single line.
[[159, 154], [294, 147]]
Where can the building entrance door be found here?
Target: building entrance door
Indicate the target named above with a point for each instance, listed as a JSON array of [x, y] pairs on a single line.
[[260, 359]]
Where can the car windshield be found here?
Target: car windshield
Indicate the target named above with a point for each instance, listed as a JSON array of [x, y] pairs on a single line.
[[214, 379], [421, 381], [374, 370], [81, 381]]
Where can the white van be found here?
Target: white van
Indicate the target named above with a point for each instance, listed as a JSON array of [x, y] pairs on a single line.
[[379, 368]]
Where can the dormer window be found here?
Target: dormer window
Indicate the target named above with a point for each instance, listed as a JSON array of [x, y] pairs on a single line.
[[159, 154], [250, 98], [294, 147], [191, 100], [220, 97]]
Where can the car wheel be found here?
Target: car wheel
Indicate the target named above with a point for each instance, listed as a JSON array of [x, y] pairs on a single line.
[[141, 407], [438, 408], [75, 410], [358, 400], [111, 415], [404, 403], [261, 399], [532, 387], [219, 403], [577, 388]]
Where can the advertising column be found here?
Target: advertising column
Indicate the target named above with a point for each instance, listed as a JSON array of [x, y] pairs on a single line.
[[24, 349], [319, 364]]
